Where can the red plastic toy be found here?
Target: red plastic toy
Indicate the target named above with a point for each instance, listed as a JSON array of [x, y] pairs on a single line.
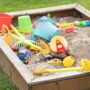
[[69, 30], [60, 47]]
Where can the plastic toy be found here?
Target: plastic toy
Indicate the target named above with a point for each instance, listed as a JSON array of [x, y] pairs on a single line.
[[19, 44], [24, 24], [54, 46], [44, 29], [44, 45], [69, 30], [76, 23], [58, 56], [55, 62], [82, 24], [24, 55], [68, 61], [85, 66], [6, 36], [22, 44], [5, 19], [87, 23], [34, 23], [60, 48], [51, 56], [22, 39], [65, 25], [49, 16]]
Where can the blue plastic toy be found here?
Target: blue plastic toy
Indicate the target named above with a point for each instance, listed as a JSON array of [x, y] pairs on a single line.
[[23, 54], [87, 23], [44, 29]]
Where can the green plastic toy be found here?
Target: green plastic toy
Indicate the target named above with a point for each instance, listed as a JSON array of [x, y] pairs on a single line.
[[24, 24], [82, 24], [49, 15]]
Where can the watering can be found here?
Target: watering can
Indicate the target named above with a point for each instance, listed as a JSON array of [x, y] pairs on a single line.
[[44, 29]]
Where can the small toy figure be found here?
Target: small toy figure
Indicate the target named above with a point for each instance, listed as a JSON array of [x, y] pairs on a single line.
[[24, 55]]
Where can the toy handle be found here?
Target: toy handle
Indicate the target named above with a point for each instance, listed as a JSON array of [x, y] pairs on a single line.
[[16, 31], [64, 69], [4, 29]]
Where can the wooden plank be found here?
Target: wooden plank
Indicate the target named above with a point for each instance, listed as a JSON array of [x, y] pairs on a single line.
[[46, 86], [59, 76], [81, 83], [43, 10], [12, 73], [82, 10], [15, 69]]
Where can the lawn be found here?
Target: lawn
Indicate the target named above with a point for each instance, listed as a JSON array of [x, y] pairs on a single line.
[[15, 5]]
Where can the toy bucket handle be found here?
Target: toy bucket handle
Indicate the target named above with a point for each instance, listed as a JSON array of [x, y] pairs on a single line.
[[4, 30]]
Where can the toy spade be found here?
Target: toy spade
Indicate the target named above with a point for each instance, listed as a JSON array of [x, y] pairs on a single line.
[[84, 66]]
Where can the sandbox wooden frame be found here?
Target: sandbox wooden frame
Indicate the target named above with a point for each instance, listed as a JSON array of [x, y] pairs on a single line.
[[18, 72]]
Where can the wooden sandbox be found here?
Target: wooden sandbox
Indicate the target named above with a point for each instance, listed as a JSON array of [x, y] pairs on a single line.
[[23, 78]]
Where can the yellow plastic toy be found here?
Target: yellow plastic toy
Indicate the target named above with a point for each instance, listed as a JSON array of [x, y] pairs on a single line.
[[65, 25], [84, 67], [44, 45], [85, 63], [68, 61], [53, 42], [19, 37], [55, 62], [22, 39], [6, 36]]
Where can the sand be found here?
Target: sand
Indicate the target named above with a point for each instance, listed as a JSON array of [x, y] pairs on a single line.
[[78, 45]]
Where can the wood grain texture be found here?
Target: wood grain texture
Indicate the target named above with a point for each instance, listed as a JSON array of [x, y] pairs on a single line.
[[84, 12], [43, 10], [14, 68], [80, 83], [47, 86]]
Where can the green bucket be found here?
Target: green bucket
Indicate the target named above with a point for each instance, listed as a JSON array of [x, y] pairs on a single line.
[[24, 24]]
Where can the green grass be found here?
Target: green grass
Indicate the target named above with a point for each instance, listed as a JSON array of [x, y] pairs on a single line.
[[14, 5], [5, 83]]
